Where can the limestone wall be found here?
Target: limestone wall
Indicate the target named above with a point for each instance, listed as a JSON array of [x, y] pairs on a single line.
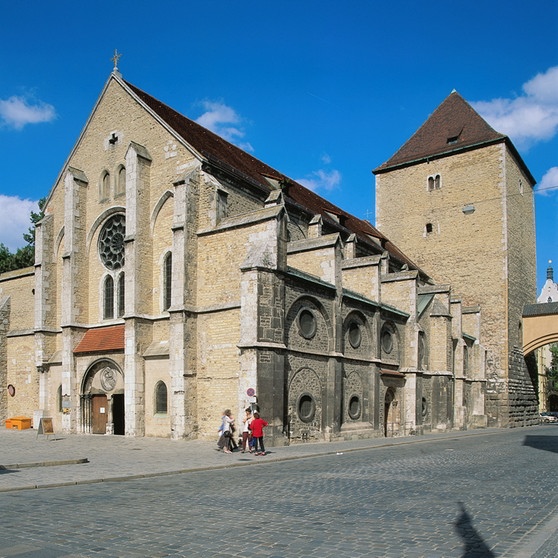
[[157, 424], [23, 375], [19, 286]]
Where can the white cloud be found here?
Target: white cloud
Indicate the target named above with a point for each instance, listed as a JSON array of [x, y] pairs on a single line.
[[15, 220], [549, 182], [321, 180], [17, 112], [225, 122], [530, 117]]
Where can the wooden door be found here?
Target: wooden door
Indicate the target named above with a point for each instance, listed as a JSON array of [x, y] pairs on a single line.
[[99, 413]]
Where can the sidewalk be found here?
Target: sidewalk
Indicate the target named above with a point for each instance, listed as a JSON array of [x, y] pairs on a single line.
[[29, 461]]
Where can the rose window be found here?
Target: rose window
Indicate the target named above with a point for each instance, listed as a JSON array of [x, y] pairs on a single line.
[[111, 242]]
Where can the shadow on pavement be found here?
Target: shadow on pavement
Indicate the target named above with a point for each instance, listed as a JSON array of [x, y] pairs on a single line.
[[4, 471], [546, 443], [475, 547]]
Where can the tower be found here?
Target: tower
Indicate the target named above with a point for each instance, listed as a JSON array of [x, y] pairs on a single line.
[[458, 199]]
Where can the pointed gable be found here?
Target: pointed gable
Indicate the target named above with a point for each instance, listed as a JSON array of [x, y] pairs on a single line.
[[452, 127]]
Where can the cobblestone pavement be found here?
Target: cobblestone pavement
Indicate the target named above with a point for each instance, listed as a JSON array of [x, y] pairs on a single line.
[[483, 494]]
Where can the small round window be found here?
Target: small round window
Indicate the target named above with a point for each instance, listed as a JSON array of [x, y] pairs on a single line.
[[354, 407], [387, 341], [111, 242], [306, 408], [355, 335], [307, 324]]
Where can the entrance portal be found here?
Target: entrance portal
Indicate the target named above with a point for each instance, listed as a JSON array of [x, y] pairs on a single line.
[[102, 399]]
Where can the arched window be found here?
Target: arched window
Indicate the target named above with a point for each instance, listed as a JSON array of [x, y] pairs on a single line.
[[434, 182], [121, 182], [59, 399], [161, 403], [167, 281], [121, 295], [108, 298], [104, 187], [430, 183]]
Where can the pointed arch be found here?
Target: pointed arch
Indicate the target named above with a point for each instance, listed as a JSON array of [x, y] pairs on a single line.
[[158, 206]]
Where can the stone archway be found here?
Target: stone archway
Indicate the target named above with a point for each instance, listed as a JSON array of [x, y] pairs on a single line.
[[102, 399], [540, 325]]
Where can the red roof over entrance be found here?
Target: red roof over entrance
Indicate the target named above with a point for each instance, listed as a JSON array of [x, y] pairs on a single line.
[[102, 339]]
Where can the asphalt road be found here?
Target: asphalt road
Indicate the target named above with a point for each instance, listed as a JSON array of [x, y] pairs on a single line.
[[487, 495]]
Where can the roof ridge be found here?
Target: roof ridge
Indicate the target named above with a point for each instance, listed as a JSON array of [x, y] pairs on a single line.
[[229, 157]]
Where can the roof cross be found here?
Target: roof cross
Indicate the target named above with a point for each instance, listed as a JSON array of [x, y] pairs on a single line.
[[115, 58]]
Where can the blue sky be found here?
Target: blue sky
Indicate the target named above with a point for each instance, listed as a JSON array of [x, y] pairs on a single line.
[[323, 91]]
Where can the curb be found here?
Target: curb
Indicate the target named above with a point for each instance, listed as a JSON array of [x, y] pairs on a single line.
[[393, 442]]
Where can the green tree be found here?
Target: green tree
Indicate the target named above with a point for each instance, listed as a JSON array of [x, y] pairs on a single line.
[[29, 236], [552, 370], [6, 259]]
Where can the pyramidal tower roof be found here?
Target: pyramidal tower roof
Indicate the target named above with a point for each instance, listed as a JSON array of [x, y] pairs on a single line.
[[454, 126]]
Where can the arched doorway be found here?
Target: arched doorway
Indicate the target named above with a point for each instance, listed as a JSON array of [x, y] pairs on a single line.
[[102, 399], [391, 415]]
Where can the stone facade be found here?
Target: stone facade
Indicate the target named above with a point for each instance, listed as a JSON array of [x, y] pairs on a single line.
[[177, 276]]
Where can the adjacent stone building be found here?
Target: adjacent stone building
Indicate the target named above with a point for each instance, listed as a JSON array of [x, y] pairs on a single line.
[[458, 199], [177, 275]]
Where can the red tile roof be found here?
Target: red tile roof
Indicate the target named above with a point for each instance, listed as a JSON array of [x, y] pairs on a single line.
[[454, 120], [453, 126], [231, 158], [211, 146], [104, 339]]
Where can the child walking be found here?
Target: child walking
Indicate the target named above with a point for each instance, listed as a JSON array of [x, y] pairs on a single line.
[[256, 426], [246, 430]]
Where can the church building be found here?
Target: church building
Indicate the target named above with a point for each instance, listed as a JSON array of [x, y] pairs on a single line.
[[177, 275]]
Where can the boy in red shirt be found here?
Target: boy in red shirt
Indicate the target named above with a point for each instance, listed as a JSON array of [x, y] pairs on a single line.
[[257, 426]]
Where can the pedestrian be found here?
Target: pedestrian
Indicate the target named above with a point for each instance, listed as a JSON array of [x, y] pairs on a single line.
[[246, 429], [225, 430], [256, 426]]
